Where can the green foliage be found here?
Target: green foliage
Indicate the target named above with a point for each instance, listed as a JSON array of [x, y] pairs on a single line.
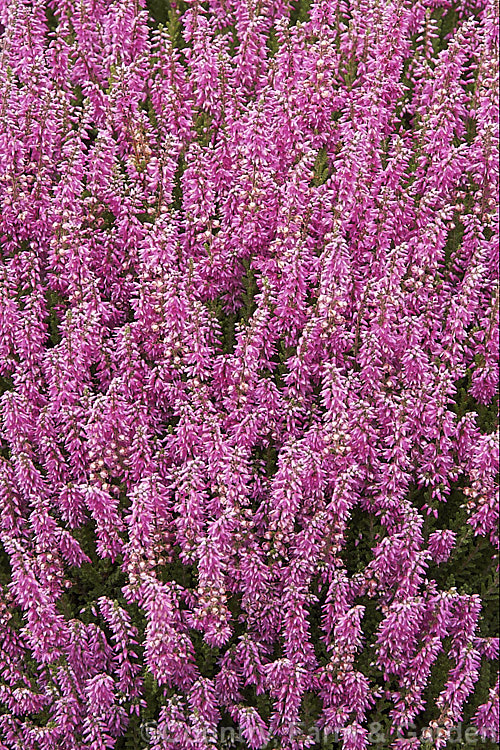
[[272, 42], [487, 415], [250, 289], [99, 577], [53, 320], [321, 168], [177, 190], [6, 383], [51, 18], [299, 11], [160, 11]]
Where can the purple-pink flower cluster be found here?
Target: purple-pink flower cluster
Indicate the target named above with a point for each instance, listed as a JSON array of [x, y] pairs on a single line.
[[248, 266]]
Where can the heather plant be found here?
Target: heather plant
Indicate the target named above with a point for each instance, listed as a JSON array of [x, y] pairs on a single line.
[[248, 350]]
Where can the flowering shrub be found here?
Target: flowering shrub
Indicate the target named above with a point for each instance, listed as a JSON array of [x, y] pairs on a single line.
[[249, 336]]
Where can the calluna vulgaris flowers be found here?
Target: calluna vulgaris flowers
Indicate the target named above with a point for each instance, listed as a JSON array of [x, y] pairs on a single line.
[[249, 337]]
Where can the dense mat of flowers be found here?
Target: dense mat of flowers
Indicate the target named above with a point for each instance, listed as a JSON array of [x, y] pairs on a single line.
[[248, 347]]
